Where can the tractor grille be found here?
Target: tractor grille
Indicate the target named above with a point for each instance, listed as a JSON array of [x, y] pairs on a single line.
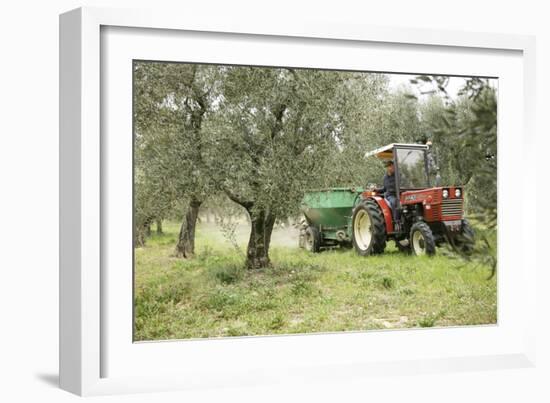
[[451, 207]]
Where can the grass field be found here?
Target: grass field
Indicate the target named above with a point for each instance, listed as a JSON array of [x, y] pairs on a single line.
[[336, 290]]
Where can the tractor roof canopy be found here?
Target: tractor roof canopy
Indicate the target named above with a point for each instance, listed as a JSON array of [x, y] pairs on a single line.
[[386, 153]]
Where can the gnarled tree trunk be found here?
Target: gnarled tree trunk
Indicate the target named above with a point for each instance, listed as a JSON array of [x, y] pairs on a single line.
[[257, 253], [159, 227], [142, 232], [139, 238], [261, 228], [185, 247]]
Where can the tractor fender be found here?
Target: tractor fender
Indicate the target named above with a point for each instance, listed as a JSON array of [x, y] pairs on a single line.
[[386, 210]]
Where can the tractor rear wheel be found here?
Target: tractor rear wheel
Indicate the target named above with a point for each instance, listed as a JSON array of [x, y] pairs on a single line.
[[369, 229], [422, 239], [312, 240]]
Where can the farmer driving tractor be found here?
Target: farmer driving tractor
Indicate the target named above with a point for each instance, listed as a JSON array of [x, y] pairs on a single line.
[[389, 190]]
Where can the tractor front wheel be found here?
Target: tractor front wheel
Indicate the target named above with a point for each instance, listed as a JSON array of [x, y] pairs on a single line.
[[369, 230], [422, 239], [312, 240], [465, 241]]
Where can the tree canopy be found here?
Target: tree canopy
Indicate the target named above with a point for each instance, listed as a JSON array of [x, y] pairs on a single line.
[[262, 136]]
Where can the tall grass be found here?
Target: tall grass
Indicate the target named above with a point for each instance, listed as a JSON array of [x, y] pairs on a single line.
[[336, 290]]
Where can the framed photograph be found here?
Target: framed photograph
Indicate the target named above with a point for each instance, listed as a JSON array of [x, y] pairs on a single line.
[[246, 203]]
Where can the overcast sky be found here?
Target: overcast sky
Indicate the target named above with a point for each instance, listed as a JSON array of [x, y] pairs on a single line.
[[454, 85]]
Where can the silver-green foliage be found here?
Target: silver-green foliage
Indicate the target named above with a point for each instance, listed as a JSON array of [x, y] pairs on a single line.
[[171, 102], [263, 136], [464, 133]]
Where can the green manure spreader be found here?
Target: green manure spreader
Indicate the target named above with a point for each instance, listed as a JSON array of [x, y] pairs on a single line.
[[328, 218]]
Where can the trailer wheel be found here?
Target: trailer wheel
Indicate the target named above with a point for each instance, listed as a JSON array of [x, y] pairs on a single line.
[[422, 239], [369, 229], [312, 240]]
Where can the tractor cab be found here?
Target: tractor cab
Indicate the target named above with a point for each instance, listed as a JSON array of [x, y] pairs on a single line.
[[414, 167]]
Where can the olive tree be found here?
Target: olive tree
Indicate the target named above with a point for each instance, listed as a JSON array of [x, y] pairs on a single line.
[[373, 116], [172, 101], [464, 131], [464, 134], [268, 143]]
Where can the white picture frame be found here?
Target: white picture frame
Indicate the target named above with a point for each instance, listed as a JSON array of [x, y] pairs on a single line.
[[84, 306]]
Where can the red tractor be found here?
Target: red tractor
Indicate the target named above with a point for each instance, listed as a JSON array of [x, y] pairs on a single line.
[[427, 215]]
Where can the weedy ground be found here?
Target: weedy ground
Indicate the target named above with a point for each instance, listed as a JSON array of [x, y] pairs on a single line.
[[213, 295]]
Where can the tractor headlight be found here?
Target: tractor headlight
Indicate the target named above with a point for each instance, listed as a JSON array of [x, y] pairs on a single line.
[[445, 193], [457, 192]]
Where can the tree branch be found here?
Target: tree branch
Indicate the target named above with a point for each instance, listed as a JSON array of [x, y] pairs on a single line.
[[233, 197]]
